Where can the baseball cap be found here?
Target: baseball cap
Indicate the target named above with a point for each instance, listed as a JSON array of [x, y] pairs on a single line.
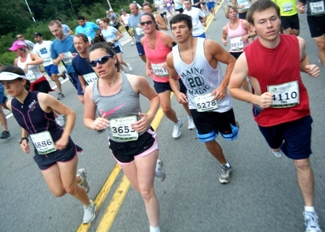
[[110, 9], [122, 9], [9, 76], [36, 34], [17, 44]]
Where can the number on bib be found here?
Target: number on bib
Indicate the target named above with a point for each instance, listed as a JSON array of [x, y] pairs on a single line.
[[236, 44], [317, 8], [43, 142], [159, 70], [284, 95], [90, 77], [121, 128], [205, 103]]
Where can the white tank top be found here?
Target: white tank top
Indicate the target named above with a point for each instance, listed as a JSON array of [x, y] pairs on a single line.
[[199, 77], [34, 71]]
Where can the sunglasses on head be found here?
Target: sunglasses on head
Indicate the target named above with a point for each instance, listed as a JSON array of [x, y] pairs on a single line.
[[144, 23], [101, 60]]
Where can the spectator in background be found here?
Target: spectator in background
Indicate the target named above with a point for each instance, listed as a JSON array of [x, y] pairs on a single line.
[[125, 22], [88, 28], [65, 27], [3, 120], [114, 19], [28, 42]]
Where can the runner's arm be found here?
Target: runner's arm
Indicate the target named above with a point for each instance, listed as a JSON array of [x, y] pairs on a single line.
[[305, 65], [224, 36]]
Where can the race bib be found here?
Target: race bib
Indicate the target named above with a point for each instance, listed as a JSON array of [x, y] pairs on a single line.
[[90, 77], [67, 58], [317, 8], [159, 70], [287, 6], [284, 95], [47, 60], [246, 5], [195, 26], [236, 44], [43, 142], [139, 31], [205, 103], [168, 4], [30, 75], [121, 128]]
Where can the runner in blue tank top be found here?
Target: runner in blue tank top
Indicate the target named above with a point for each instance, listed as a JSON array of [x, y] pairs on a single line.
[[55, 152]]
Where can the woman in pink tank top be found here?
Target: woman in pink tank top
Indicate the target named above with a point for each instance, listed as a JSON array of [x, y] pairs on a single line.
[[157, 45], [237, 31]]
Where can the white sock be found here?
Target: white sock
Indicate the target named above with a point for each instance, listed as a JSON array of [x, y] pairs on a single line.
[[310, 209], [154, 229], [227, 164]]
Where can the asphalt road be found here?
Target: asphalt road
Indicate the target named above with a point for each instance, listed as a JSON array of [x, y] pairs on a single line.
[[262, 195]]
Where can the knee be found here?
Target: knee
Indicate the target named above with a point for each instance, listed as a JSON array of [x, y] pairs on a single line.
[[321, 45], [211, 144], [302, 164], [166, 109], [147, 193], [71, 189], [59, 192]]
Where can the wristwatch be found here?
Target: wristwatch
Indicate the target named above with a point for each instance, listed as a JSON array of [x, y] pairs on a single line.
[[22, 139]]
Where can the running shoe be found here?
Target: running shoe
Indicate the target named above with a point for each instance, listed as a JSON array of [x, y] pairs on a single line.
[[5, 135], [311, 222], [60, 96], [277, 153], [160, 173], [225, 174], [190, 124], [177, 129], [132, 43], [129, 66], [89, 213], [83, 176], [64, 75]]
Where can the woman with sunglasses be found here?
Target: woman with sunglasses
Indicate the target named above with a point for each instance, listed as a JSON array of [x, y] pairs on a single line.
[[147, 8], [55, 152], [29, 62], [115, 97], [156, 46], [112, 36]]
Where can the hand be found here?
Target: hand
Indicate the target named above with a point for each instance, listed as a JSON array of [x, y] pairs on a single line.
[[26, 68], [219, 92], [224, 42], [181, 98], [204, 24], [143, 123], [265, 100], [100, 123], [24, 146], [148, 72], [74, 55], [312, 70], [61, 56], [244, 38], [62, 142], [301, 9]]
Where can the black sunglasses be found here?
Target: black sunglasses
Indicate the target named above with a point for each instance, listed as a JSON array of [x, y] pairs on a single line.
[[101, 60], [143, 23]]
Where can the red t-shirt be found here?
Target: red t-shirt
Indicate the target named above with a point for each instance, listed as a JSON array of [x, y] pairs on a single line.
[[273, 67]]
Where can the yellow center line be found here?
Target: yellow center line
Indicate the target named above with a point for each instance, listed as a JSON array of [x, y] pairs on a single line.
[[119, 195]]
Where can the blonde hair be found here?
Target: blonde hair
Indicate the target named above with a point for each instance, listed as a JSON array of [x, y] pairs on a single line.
[[228, 7]]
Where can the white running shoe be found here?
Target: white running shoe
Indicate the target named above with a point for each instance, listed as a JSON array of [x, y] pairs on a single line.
[[311, 222], [177, 129], [89, 213], [132, 43], [277, 153], [129, 66], [83, 176], [160, 173], [190, 123]]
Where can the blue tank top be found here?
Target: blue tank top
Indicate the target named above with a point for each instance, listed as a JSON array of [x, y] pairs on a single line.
[[124, 103], [33, 119]]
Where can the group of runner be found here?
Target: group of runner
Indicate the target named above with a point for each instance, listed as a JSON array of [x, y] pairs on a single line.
[[185, 64]]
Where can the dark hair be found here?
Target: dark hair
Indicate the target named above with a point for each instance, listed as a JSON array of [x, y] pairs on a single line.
[[83, 36], [134, 4], [259, 6], [16, 70], [153, 19], [58, 19], [81, 18], [106, 20], [147, 4], [108, 49], [99, 38], [181, 18]]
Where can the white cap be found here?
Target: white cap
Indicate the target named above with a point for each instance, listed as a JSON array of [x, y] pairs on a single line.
[[9, 76], [110, 9]]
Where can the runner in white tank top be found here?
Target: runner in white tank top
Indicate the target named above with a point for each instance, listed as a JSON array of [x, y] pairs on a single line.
[[196, 61]]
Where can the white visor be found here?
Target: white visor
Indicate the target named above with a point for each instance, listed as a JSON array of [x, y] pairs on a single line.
[[9, 76]]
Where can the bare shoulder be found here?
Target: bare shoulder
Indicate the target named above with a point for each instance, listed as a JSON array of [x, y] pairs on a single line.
[[137, 82]]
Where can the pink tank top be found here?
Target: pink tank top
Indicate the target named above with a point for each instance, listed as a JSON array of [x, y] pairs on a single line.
[[234, 35], [157, 57]]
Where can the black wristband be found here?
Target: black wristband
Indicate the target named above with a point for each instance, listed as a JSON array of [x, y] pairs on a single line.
[[248, 36], [22, 139]]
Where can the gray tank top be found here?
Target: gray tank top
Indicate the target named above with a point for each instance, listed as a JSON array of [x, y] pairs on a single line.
[[124, 103]]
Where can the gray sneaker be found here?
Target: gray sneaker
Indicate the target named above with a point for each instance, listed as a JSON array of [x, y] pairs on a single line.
[[83, 176], [160, 173], [89, 213], [60, 96], [311, 222], [225, 174], [177, 129]]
